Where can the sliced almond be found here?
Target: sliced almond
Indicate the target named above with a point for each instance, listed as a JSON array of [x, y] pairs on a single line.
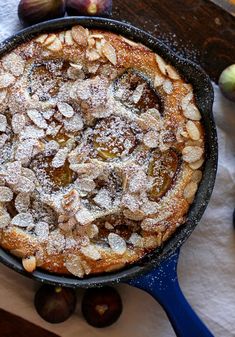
[[84, 216], [37, 118], [117, 243], [197, 164], [22, 202], [138, 93], [3, 123], [42, 38], [6, 194], [13, 172], [62, 37], [74, 265], [190, 191], [5, 219], [3, 139], [161, 64], [167, 87], [18, 123], [60, 158], [79, 35], [96, 36], [91, 252], [68, 38], [193, 130], [6, 79], [71, 202], [136, 240], [91, 42], [92, 231], [172, 73], [158, 81], [56, 45], [24, 185], [151, 139], [3, 94], [22, 220], [51, 38], [196, 176], [92, 54], [65, 109], [192, 153], [42, 231], [103, 199], [186, 99], [192, 112], [29, 263], [152, 241], [110, 53], [14, 64]]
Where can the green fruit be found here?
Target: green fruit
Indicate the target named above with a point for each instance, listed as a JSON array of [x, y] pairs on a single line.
[[227, 82]]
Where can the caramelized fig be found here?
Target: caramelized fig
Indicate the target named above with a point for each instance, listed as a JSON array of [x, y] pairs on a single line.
[[113, 137], [135, 91], [163, 167]]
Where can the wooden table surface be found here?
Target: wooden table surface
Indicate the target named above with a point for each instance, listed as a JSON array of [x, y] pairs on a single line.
[[198, 30]]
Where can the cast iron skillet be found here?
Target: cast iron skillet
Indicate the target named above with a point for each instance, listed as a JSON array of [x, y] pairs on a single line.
[[204, 97]]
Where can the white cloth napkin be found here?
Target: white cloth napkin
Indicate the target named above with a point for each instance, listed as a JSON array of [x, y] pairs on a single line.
[[207, 260]]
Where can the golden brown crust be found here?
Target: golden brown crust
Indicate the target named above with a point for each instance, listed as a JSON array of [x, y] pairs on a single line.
[[107, 203]]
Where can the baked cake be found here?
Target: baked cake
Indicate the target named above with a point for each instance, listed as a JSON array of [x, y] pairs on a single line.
[[101, 149]]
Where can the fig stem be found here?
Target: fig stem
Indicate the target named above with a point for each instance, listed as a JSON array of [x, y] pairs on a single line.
[[58, 289]]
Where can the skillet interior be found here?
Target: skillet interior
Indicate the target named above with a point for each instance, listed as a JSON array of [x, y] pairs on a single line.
[[204, 98]]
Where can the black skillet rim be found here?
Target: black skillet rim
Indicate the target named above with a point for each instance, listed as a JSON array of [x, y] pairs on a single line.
[[204, 96]]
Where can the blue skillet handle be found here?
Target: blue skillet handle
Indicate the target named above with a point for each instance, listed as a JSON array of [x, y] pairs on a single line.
[[162, 283]]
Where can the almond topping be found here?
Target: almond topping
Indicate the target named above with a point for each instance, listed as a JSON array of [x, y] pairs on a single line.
[[117, 243], [193, 130], [192, 112], [190, 191], [18, 123], [3, 123], [161, 64], [68, 38], [22, 220], [79, 35], [151, 139], [158, 81], [192, 153], [195, 165], [109, 52], [56, 45], [51, 38], [172, 73], [6, 80], [91, 252], [37, 118], [42, 38], [167, 86], [5, 219], [6, 194], [196, 176], [14, 63], [65, 109], [29, 263]]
